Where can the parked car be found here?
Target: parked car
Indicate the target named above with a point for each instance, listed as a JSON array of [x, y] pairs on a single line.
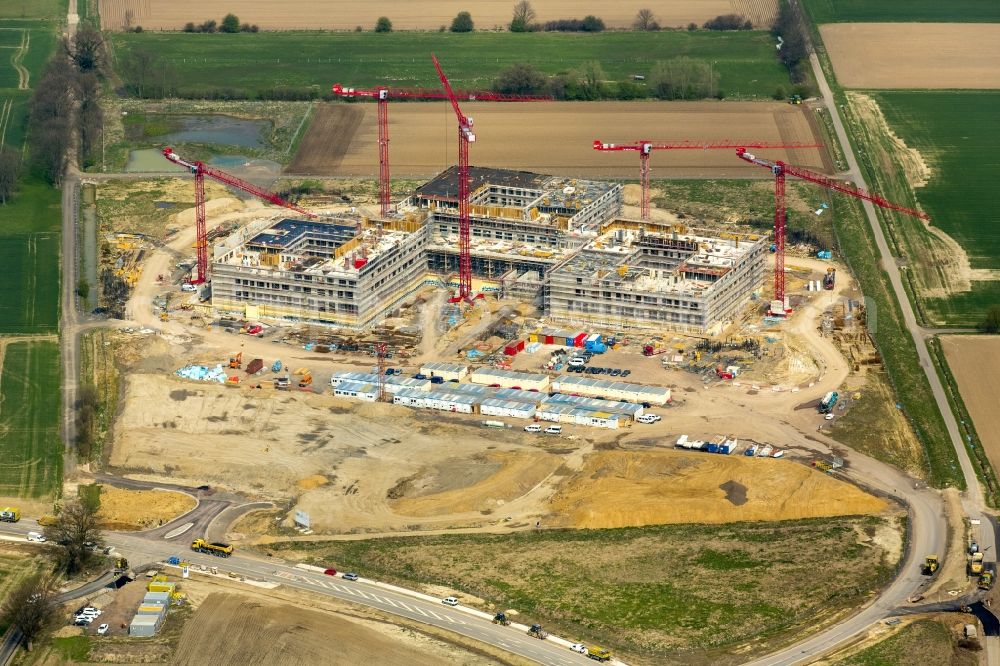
[[576, 362], [103, 629], [655, 417], [330, 572], [437, 380], [350, 576], [626, 373], [554, 430], [419, 376], [36, 537], [450, 601], [615, 372], [645, 418], [828, 417], [533, 427]]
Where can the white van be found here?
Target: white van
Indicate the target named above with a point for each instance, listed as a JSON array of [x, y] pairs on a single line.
[[36, 536], [554, 430]]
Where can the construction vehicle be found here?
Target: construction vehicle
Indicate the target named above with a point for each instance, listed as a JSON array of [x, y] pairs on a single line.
[[976, 564], [9, 514], [650, 350], [501, 618], [598, 654], [795, 99], [828, 401], [931, 565], [536, 631], [986, 580], [164, 316], [47, 521], [256, 366], [121, 564], [236, 360], [282, 383], [217, 549], [306, 381], [830, 279]]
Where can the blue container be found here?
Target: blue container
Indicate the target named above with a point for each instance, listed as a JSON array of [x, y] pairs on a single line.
[[173, 560]]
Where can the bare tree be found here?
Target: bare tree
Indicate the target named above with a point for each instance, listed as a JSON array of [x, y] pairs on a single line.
[[10, 166], [30, 608], [76, 530], [524, 15], [645, 20], [88, 49]]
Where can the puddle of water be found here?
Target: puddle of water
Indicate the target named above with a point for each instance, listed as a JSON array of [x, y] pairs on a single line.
[[150, 160], [224, 130]]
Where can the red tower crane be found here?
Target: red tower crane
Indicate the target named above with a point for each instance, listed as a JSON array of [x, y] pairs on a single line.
[[645, 148], [465, 137], [780, 170], [382, 95], [200, 170]]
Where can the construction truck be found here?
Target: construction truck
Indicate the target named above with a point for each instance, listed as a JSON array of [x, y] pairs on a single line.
[[9, 514], [217, 549], [306, 381], [931, 565], [986, 580], [121, 564], [976, 564], [501, 618], [47, 521], [536, 631], [598, 654], [828, 401], [650, 350], [830, 279], [236, 360]]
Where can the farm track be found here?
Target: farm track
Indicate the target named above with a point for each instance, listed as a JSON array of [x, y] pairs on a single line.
[[23, 75], [5, 110]]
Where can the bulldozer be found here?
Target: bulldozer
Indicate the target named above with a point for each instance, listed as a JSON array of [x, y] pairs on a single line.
[[931, 565], [536, 631], [502, 619], [986, 580]]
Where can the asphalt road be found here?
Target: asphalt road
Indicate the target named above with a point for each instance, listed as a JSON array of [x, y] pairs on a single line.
[[474, 624], [928, 531]]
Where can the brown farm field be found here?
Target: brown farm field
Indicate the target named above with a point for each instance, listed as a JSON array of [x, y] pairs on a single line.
[[411, 15], [975, 363], [556, 138], [914, 55]]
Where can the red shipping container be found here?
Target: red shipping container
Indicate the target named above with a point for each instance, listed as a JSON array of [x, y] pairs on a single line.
[[579, 339], [519, 345], [510, 350], [549, 340]]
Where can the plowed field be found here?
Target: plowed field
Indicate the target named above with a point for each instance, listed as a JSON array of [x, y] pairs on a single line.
[[410, 15], [555, 137], [915, 55], [975, 363]]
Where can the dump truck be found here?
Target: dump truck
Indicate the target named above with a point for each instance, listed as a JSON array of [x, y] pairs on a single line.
[[830, 279], [9, 514], [931, 565], [976, 564], [501, 618], [47, 521], [217, 549], [598, 654], [828, 401], [536, 631]]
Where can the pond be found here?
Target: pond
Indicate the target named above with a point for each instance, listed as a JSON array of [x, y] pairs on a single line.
[[224, 130]]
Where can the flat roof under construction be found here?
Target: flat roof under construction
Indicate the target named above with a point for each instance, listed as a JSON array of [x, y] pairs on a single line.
[[285, 233], [445, 184]]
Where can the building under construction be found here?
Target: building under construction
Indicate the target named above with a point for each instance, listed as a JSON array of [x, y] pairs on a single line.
[[554, 241]]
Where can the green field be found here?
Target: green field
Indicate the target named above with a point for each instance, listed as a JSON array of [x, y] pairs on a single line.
[[925, 641], [14, 102], [29, 420], [840, 11], [687, 594], [254, 63], [956, 133], [28, 9]]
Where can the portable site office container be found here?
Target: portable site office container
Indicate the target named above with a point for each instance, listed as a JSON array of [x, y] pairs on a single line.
[[447, 371], [656, 395], [509, 379], [451, 402], [508, 408], [409, 398], [356, 391], [158, 597], [628, 410], [393, 383], [144, 626]]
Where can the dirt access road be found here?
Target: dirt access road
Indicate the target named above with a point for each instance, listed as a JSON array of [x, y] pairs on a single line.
[[343, 140]]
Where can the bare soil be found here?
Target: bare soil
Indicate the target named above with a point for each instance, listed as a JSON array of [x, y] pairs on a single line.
[[409, 15], [975, 363], [239, 628], [628, 489], [556, 138], [914, 55], [141, 509]]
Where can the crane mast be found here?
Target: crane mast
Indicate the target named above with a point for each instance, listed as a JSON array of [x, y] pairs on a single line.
[[200, 170], [780, 170], [382, 95], [645, 148]]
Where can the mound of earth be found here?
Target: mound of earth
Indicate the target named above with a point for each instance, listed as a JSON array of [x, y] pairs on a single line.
[[141, 509], [630, 489]]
